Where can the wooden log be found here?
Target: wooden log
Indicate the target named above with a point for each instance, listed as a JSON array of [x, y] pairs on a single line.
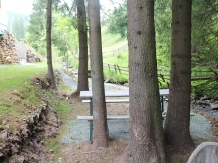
[[202, 78], [8, 52]]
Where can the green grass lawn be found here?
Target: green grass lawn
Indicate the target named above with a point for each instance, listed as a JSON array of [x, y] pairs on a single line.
[[13, 77], [111, 42]]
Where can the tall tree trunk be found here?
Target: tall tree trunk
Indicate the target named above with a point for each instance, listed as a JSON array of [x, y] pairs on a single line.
[[177, 123], [83, 84], [48, 40], [98, 92], [146, 142]]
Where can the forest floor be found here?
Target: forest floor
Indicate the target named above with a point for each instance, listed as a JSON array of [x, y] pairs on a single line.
[[83, 152], [203, 129], [76, 148]]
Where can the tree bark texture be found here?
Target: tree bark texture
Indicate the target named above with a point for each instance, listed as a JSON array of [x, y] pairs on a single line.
[[146, 142], [83, 84], [177, 123], [48, 40], [98, 92]]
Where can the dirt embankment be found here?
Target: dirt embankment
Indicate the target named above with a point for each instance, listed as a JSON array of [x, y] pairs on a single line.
[[21, 137]]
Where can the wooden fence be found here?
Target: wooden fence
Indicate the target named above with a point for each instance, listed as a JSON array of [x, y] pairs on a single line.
[[164, 75], [116, 68]]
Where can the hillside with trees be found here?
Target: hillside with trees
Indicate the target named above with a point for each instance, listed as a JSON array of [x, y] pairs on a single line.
[[65, 44], [17, 24], [148, 44]]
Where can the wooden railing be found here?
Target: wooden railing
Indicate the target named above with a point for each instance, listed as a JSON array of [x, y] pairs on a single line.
[[125, 70], [164, 75], [116, 68]]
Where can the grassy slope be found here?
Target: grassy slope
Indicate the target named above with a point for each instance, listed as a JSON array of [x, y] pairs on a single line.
[[14, 76], [111, 42], [15, 82], [18, 95]]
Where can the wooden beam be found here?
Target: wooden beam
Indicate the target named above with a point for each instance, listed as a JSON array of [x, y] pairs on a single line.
[[111, 101], [109, 117]]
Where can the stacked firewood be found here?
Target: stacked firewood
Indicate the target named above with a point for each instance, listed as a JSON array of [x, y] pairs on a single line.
[[31, 57], [8, 52]]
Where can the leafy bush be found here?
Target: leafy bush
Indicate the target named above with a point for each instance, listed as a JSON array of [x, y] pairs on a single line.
[[210, 90], [73, 62]]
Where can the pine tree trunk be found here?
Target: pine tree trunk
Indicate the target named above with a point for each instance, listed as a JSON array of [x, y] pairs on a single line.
[[146, 142], [98, 92], [83, 84], [177, 123], [49, 51]]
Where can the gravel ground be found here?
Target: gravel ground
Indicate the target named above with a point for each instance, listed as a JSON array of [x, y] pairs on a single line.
[[67, 79], [78, 130], [200, 127]]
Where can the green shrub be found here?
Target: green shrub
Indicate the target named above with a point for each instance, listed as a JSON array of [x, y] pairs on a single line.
[[73, 62], [210, 90]]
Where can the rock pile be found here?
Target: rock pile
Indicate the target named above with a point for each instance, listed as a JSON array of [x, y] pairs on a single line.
[[31, 57], [205, 102], [8, 52]]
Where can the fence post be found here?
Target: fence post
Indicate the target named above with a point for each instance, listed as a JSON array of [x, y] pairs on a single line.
[[119, 69], [115, 68], [109, 67]]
